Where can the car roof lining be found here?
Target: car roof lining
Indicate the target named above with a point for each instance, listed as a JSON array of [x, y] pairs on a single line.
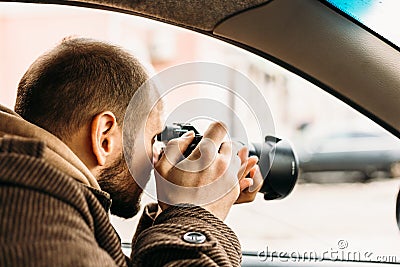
[[233, 27], [201, 15]]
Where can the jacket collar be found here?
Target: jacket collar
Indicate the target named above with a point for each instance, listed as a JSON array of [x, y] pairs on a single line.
[[55, 153]]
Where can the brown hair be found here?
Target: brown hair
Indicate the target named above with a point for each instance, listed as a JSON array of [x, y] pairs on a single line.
[[79, 78]]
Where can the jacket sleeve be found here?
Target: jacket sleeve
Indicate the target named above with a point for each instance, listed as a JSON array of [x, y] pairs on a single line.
[[186, 235]]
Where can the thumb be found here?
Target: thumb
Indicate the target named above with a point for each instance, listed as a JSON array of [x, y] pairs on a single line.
[[173, 152]]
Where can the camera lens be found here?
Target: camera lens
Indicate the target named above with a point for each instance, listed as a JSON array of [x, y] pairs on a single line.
[[278, 165]]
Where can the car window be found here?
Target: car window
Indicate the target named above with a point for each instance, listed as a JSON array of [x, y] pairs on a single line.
[[381, 16], [343, 206]]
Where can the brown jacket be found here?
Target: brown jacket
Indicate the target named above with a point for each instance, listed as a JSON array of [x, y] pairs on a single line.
[[53, 213]]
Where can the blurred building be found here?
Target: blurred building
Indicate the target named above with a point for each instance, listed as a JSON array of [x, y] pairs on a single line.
[[27, 30]]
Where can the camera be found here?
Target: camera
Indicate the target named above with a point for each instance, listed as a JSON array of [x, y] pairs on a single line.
[[278, 161]]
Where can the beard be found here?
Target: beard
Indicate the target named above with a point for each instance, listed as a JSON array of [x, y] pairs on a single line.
[[124, 191]]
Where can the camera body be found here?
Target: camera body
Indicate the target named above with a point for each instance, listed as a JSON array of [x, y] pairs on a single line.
[[277, 160]]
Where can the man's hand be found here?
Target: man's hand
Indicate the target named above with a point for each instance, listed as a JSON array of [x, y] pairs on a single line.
[[208, 177], [250, 178]]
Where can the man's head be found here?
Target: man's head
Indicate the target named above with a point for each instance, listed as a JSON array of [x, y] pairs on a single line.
[[79, 91]]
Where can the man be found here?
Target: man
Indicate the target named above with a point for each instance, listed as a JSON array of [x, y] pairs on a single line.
[[61, 164]]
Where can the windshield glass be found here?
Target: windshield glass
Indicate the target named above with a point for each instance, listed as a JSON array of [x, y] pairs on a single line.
[[381, 16]]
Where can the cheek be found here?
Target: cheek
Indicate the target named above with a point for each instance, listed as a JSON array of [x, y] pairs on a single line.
[[148, 153], [149, 141], [149, 150], [143, 152], [140, 169]]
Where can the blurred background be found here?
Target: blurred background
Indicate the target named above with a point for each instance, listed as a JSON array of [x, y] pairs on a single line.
[[350, 166]]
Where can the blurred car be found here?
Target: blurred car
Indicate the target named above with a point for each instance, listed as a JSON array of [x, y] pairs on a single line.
[[366, 152], [322, 42]]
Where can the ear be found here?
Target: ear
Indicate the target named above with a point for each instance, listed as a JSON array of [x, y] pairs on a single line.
[[103, 136]]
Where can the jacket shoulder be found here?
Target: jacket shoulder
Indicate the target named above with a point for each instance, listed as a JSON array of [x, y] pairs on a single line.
[[46, 217]]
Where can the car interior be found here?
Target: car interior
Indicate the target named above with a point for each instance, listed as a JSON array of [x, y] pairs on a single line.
[[313, 39]]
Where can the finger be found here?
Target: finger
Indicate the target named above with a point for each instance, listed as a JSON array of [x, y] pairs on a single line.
[[243, 154], [245, 183], [247, 166], [228, 154], [229, 151], [210, 143], [230, 148], [216, 132], [258, 180], [205, 150], [226, 148], [173, 152]]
